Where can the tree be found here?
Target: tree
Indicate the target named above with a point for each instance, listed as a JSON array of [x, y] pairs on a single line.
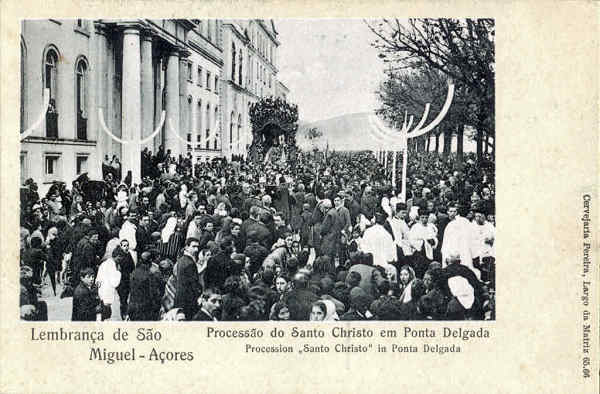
[[463, 50], [273, 120], [411, 90]]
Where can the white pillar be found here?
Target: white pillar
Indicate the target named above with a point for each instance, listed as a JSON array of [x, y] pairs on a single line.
[[93, 132], [131, 104], [103, 143], [158, 103], [171, 141], [147, 89], [183, 115]]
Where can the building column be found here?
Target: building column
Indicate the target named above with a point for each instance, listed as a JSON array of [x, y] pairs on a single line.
[[171, 141], [183, 115], [103, 142], [131, 104], [147, 88], [158, 104]]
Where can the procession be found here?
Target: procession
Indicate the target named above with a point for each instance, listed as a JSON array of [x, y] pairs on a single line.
[[235, 205]]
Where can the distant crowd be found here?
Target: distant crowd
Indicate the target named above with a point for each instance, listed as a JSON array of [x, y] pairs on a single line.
[[312, 239]]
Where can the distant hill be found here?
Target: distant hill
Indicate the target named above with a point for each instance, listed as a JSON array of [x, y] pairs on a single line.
[[346, 132], [351, 132]]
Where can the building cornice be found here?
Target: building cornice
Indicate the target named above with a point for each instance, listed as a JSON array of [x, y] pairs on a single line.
[[241, 88], [261, 23], [198, 48], [59, 141], [239, 34]]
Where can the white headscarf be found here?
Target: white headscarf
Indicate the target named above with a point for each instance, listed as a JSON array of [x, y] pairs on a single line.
[[462, 290], [169, 229], [331, 312]]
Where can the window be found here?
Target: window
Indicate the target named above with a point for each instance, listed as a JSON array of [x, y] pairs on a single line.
[[52, 166], [199, 123], [239, 129], [189, 72], [81, 99], [233, 62], [190, 120], [210, 28], [216, 127], [81, 162], [50, 78], [231, 126], [216, 84], [199, 76], [241, 57], [207, 126], [81, 26], [207, 80]]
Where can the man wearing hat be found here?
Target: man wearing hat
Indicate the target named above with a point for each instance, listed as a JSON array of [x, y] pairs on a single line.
[[145, 294], [85, 255]]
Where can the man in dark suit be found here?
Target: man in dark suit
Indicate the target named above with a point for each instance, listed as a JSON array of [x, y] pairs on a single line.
[[85, 254], [299, 300], [188, 288], [142, 234], [249, 223], [145, 294], [86, 303], [210, 306]]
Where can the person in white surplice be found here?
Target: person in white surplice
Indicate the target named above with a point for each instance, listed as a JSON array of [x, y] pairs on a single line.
[[458, 238], [379, 242]]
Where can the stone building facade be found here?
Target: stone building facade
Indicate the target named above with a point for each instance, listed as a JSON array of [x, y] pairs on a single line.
[[203, 74]]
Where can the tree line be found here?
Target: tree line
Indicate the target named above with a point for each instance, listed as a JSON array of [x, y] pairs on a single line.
[[422, 56]]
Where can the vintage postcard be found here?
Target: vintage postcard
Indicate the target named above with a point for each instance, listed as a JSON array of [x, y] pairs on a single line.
[[300, 190]]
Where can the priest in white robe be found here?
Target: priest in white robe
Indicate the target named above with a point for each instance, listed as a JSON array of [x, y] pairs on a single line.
[[458, 238]]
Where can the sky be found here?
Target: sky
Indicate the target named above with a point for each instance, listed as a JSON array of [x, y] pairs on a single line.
[[329, 66]]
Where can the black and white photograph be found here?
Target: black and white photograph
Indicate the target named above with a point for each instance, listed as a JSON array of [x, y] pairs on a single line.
[[257, 170]]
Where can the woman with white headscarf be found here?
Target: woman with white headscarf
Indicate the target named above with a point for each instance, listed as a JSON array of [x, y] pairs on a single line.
[[323, 310]]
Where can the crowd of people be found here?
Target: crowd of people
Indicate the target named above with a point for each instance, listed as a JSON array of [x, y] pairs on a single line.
[[229, 241]]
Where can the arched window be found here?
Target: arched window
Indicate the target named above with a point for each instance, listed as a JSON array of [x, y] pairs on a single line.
[[231, 125], [81, 98], [216, 127], [50, 78], [199, 123], [241, 57], [233, 62]]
